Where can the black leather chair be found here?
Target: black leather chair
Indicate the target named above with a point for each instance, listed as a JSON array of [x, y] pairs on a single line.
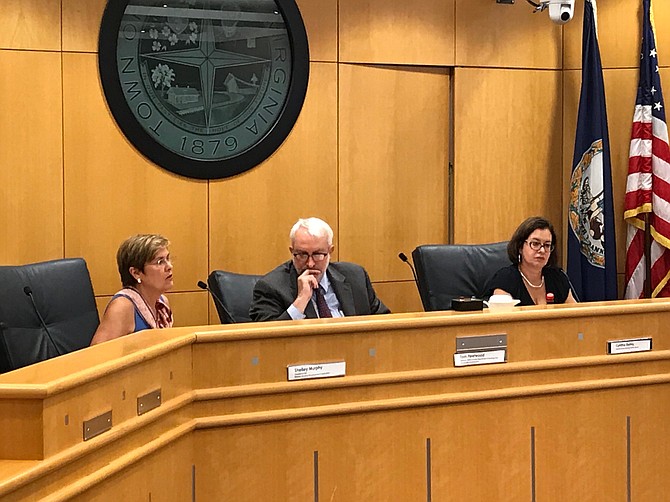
[[447, 271], [62, 319], [235, 291]]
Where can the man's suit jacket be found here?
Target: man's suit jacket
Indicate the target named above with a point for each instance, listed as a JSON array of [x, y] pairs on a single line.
[[275, 292]]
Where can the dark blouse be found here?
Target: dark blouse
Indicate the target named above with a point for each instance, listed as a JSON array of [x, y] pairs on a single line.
[[509, 279]]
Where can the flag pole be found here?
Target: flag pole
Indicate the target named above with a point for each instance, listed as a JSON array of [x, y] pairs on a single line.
[[646, 288]]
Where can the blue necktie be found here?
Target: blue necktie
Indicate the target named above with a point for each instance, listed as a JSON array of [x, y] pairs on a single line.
[[321, 304]]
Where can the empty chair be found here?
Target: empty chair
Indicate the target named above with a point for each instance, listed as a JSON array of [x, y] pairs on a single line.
[[447, 271], [46, 309], [235, 291]]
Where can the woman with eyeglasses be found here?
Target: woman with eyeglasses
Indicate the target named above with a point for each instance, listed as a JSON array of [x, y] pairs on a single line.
[[534, 277], [146, 274]]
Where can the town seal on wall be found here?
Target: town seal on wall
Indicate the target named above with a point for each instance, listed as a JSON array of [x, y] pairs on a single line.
[[206, 89]]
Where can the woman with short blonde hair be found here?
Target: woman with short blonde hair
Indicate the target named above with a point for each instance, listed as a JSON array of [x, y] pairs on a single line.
[[146, 274]]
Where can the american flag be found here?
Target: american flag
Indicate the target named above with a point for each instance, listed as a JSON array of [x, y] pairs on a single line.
[[648, 184]]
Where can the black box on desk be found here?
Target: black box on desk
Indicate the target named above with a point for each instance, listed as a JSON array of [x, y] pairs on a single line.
[[467, 304]]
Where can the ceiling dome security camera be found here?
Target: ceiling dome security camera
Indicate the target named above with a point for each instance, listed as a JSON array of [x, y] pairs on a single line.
[[561, 11]]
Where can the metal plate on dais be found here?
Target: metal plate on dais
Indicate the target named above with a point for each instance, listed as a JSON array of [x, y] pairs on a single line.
[[97, 425], [204, 88], [148, 401]]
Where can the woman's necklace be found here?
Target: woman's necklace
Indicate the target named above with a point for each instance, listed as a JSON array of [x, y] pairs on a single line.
[[530, 283]]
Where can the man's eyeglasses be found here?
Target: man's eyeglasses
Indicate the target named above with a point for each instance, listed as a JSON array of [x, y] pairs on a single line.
[[301, 256], [537, 245]]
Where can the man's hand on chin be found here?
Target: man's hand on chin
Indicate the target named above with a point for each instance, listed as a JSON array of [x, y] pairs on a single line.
[[308, 281]]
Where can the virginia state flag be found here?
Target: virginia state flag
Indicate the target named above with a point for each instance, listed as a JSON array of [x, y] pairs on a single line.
[[591, 239]]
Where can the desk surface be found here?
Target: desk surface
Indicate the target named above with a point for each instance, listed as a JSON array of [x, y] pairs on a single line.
[[85, 364]]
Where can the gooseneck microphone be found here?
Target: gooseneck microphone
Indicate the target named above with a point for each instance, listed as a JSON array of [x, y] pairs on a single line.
[[29, 293], [219, 302], [572, 288], [403, 257]]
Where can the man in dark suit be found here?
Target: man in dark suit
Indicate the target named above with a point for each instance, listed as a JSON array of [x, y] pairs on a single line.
[[309, 286]]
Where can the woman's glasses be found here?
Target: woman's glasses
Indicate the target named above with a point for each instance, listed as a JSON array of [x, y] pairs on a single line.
[[537, 245], [162, 262]]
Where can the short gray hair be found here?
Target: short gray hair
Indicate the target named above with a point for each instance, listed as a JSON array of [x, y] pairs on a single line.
[[315, 227], [137, 251]]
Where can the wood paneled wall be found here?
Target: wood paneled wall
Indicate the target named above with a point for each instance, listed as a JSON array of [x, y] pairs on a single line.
[[392, 84], [507, 164]]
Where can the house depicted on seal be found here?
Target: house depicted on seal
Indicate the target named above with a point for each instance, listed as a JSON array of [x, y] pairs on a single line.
[[231, 83], [235, 85], [179, 96]]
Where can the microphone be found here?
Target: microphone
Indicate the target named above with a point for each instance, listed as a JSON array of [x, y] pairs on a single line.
[[572, 288], [403, 257], [219, 302], [29, 293]]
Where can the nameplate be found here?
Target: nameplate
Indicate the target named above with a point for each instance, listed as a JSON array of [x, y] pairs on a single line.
[[482, 357], [627, 346], [318, 370]]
